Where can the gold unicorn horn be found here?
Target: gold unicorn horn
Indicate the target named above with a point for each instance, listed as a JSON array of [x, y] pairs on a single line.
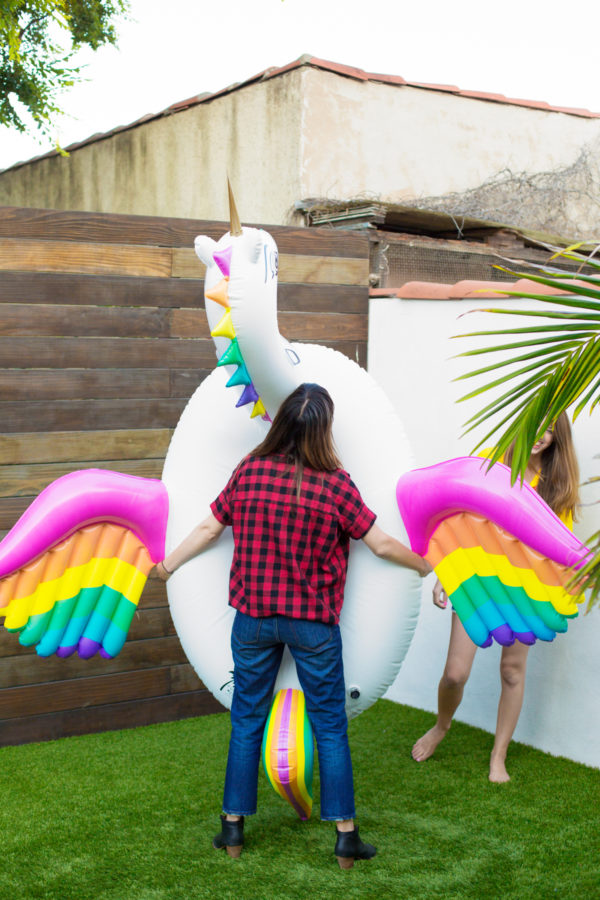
[[235, 228]]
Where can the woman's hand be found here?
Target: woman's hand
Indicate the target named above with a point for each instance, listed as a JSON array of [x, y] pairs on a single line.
[[440, 598], [162, 573], [425, 567]]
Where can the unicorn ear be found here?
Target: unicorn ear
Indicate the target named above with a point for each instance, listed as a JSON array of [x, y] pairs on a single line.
[[253, 244], [205, 247]]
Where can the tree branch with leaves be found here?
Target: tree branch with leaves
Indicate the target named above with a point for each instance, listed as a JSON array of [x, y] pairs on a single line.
[[38, 43]]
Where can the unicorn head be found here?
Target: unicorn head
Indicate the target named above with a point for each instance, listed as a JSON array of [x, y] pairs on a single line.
[[240, 289]]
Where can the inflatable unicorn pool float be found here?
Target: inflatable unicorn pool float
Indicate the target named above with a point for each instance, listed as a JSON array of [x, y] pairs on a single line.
[[73, 568]]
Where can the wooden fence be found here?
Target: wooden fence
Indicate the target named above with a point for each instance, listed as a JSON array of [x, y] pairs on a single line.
[[103, 338]]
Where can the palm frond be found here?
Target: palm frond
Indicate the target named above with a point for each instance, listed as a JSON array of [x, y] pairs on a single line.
[[547, 367]]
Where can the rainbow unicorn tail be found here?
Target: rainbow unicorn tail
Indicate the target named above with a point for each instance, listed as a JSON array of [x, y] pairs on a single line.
[[73, 567], [288, 750], [504, 558]]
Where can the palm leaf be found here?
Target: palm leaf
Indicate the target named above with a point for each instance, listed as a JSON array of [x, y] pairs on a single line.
[[559, 367]]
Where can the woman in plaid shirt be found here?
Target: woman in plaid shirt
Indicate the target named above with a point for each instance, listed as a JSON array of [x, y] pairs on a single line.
[[293, 510]]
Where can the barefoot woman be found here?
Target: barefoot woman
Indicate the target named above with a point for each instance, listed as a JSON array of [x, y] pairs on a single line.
[[553, 471]]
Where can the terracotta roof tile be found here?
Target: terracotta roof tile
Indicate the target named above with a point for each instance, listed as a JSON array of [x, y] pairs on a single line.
[[463, 290], [191, 101], [326, 65], [450, 88], [483, 95], [576, 111], [340, 68], [388, 79]]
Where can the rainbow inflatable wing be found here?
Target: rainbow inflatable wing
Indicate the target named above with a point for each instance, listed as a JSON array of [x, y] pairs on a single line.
[[73, 567], [501, 554]]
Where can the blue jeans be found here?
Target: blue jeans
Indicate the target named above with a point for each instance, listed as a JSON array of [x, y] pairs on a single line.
[[257, 646]]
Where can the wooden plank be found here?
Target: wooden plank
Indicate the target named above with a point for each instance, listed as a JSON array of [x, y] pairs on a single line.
[[28, 669], [110, 717], [99, 290], [292, 268], [116, 290], [184, 678], [28, 479], [150, 623], [24, 319], [325, 327], [166, 232], [96, 690], [27, 320], [154, 594], [185, 381], [186, 264], [83, 446], [323, 270], [94, 259], [90, 415], [298, 326], [189, 323], [318, 298], [78, 384], [105, 353], [11, 509]]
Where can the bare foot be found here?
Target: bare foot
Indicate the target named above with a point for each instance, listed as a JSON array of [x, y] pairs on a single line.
[[426, 745], [498, 772]]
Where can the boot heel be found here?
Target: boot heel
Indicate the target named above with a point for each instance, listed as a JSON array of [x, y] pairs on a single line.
[[348, 847], [230, 838]]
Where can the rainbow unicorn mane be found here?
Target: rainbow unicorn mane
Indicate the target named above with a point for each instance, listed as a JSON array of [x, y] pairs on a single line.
[[224, 328]]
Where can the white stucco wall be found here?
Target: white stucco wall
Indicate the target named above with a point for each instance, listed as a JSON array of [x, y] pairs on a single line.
[[409, 354], [306, 133], [399, 143], [177, 165]]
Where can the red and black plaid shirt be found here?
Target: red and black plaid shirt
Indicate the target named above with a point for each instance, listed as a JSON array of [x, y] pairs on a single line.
[[290, 558]]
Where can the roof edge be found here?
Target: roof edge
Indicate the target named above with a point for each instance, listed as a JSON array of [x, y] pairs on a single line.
[[317, 63]]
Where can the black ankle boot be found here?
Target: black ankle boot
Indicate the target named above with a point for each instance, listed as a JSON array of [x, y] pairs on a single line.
[[230, 838], [349, 847]]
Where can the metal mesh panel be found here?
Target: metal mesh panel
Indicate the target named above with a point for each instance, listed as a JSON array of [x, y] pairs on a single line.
[[395, 263]]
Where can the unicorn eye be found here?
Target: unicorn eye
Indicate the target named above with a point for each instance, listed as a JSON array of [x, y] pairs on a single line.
[[271, 263]]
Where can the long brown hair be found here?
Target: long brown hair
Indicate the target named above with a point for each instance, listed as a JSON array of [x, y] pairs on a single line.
[[559, 474], [301, 431]]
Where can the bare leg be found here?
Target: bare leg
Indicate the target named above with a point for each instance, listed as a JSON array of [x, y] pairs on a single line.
[[512, 675], [461, 653]]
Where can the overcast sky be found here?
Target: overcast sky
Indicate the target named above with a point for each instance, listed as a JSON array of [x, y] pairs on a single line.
[[170, 51]]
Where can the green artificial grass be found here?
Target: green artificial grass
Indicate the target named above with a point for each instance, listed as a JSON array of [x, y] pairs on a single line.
[[130, 815]]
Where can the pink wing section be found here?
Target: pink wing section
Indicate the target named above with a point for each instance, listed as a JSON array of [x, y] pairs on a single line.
[[428, 496], [85, 498], [503, 557]]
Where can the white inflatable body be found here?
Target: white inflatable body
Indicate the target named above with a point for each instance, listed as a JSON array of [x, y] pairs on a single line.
[[381, 600]]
